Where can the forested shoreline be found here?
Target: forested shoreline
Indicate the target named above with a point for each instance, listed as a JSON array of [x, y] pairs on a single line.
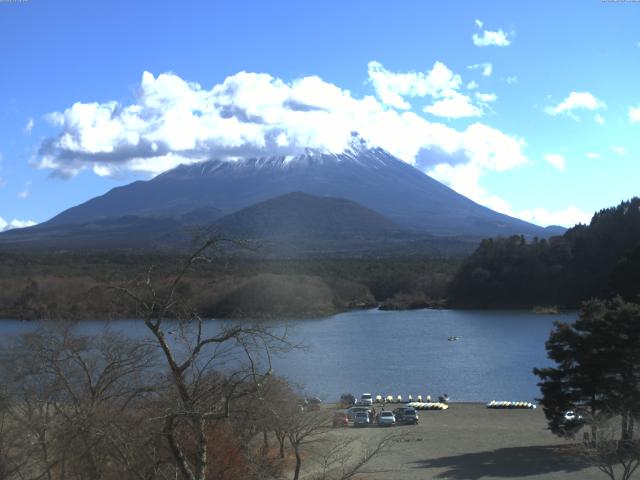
[[599, 260], [82, 286]]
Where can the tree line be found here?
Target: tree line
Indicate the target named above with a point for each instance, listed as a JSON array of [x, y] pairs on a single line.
[[599, 260], [72, 286]]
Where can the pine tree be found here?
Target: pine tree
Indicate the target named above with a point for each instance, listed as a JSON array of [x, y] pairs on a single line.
[[597, 366]]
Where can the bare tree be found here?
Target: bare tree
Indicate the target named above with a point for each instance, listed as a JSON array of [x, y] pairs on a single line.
[[187, 401], [338, 460], [304, 429], [278, 402], [615, 451], [10, 458], [73, 397], [192, 352]]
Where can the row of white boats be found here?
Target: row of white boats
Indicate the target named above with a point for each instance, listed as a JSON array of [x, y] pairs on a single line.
[[399, 399], [494, 404], [428, 405], [425, 403]]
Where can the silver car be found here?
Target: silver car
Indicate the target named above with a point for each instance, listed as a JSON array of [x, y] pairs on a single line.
[[361, 419], [386, 419], [351, 413]]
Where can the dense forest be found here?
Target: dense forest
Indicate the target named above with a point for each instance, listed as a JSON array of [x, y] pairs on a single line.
[[80, 286], [601, 260]]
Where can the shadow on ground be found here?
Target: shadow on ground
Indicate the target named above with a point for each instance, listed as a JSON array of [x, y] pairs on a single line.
[[507, 462]]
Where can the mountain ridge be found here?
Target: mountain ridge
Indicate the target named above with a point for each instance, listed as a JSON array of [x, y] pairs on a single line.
[[370, 177], [294, 225]]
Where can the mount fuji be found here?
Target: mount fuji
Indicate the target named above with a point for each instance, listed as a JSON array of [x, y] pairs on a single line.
[[203, 193]]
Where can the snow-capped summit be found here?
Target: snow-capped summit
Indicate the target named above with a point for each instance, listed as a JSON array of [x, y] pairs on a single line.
[[364, 174], [358, 152]]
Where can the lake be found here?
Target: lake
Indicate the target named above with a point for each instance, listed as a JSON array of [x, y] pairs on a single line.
[[406, 352]]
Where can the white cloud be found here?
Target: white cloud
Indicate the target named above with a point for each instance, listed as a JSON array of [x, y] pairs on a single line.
[[634, 114], [29, 126], [576, 101], [618, 149], [486, 97], [485, 149], [440, 84], [499, 38], [599, 119], [26, 191], [567, 217], [454, 106], [472, 85], [511, 80], [592, 155], [5, 225], [391, 88], [555, 160], [174, 121], [487, 68], [465, 179]]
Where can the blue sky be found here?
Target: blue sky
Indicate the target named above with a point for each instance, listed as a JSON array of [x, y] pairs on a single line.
[[531, 108]]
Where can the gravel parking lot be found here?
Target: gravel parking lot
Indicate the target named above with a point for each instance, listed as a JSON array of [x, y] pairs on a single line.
[[470, 441]]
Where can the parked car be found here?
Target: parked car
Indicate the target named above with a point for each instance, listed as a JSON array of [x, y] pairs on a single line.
[[406, 415], [386, 418], [576, 418], [361, 419], [347, 399], [313, 403], [366, 399], [351, 413], [573, 420], [340, 419]]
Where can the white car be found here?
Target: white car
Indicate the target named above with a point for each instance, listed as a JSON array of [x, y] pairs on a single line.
[[572, 417], [366, 399], [386, 419]]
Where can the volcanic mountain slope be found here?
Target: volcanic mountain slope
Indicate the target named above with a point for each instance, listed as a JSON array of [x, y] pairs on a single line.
[[293, 225], [301, 225], [299, 215], [371, 177]]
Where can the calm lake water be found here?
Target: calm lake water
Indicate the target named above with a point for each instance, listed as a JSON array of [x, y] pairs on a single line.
[[405, 352]]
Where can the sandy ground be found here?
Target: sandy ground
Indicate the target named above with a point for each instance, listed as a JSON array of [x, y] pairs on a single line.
[[469, 441]]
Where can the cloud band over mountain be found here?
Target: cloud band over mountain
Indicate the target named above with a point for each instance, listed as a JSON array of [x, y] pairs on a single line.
[[172, 121]]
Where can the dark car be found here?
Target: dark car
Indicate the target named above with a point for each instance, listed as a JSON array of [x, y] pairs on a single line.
[[351, 413], [406, 415], [313, 403], [347, 399]]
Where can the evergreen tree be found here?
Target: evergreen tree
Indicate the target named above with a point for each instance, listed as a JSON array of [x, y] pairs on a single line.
[[597, 365]]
